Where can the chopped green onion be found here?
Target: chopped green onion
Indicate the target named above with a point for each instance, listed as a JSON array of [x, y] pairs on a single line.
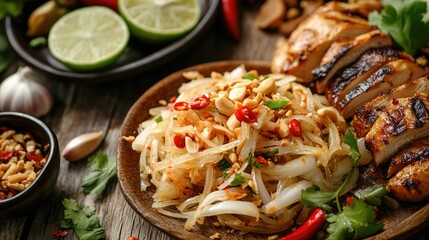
[[277, 104], [238, 180], [158, 119], [248, 76], [38, 42]]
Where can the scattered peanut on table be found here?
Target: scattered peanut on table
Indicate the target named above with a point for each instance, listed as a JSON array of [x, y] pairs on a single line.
[[21, 160]]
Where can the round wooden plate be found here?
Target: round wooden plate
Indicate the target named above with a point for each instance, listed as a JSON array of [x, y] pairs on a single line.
[[400, 223]]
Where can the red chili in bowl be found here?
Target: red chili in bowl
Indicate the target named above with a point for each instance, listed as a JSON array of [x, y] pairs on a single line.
[[181, 106], [295, 128], [245, 114], [199, 102]]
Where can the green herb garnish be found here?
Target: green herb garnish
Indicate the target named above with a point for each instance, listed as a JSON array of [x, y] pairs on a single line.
[[158, 119], [224, 164], [248, 76], [277, 104], [238, 180], [104, 171], [83, 220], [407, 22]]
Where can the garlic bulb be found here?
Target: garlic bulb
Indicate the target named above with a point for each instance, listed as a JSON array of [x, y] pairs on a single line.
[[23, 92]]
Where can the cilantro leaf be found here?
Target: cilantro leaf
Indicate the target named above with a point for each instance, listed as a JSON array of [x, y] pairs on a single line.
[[405, 21], [312, 197], [104, 171], [350, 139], [339, 228], [83, 220], [224, 164], [372, 195], [11, 7], [277, 104], [238, 180]]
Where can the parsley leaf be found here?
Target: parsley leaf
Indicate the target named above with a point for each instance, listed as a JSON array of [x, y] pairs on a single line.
[[405, 21], [224, 164], [277, 104], [350, 139], [312, 197], [357, 220], [83, 220], [238, 180], [104, 171], [372, 195]]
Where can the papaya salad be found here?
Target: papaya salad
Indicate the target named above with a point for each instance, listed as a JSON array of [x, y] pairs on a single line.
[[239, 148]]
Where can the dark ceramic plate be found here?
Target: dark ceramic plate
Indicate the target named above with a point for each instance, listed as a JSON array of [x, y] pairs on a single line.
[[399, 224], [138, 57]]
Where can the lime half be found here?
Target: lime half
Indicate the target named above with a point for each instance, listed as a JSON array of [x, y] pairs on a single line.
[[159, 21], [88, 38]]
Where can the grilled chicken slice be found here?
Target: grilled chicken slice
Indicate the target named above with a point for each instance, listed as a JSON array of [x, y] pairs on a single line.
[[307, 45], [359, 71], [365, 116], [416, 151], [342, 53], [412, 182], [403, 121], [391, 75]]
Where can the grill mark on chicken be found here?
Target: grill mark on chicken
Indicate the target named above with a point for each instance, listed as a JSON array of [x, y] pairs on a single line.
[[417, 151], [367, 64], [344, 52], [396, 127], [365, 116], [411, 183], [420, 111]]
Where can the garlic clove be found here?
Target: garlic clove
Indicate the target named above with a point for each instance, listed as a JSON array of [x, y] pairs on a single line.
[[82, 145], [24, 92]]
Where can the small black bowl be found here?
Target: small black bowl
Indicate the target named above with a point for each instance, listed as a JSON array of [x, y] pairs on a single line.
[[41, 188]]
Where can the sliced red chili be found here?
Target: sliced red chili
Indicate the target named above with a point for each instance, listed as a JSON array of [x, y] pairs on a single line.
[[58, 233], [132, 238], [5, 155], [34, 157], [311, 226], [199, 102], [261, 160], [179, 141], [245, 114], [349, 200], [295, 128], [172, 99], [181, 106]]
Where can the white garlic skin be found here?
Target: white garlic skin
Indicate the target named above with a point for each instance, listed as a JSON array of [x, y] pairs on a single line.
[[23, 92]]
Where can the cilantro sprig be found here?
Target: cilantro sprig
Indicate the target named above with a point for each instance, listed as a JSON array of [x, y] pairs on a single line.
[[405, 21], [104, 171], [351, 221], [83, 220]]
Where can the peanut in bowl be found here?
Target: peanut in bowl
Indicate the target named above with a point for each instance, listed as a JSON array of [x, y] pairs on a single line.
[[29, 163]]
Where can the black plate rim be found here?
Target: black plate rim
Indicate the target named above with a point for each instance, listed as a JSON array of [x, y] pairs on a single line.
[[155, 59]]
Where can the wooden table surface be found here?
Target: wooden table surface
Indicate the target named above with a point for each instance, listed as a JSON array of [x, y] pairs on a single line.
[[81, 108]]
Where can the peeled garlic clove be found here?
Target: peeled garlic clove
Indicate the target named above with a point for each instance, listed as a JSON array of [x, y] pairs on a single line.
[[82, 145], [24, 92]]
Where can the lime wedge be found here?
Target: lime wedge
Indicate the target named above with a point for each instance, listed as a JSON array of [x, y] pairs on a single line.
[[159, 21], [88, 38]]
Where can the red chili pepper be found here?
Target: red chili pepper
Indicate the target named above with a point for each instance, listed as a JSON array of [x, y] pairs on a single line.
[[231, 18], [181, 106], [295, 128], [245, 114], [58, 233], [132, 238], [3, 129], [113, 4], [311, 226], [261, 160], [199, 102], [349, 200], [5, 155], [32, 156], [179, 141], [172, 99]]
